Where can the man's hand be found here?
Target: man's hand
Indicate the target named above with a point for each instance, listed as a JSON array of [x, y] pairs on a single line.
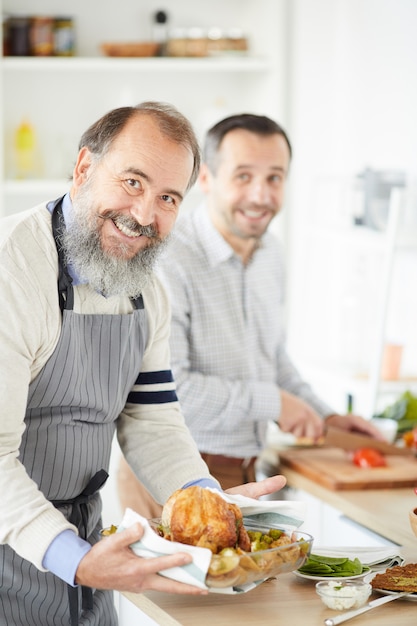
[[356, 424], [298, 418], [261, 488], [111, 564]]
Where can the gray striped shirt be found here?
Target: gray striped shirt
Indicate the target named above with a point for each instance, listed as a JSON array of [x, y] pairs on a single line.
[[228, 340]]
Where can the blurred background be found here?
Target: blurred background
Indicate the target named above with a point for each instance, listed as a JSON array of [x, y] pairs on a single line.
[[339, 75]]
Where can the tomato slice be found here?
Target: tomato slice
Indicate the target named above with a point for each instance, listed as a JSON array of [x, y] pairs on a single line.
[[369, 457]]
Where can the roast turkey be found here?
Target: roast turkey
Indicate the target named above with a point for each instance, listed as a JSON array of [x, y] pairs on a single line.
[[201, 517]]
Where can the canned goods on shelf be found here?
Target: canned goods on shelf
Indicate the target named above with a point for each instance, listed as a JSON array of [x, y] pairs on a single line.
[[18, 36], [42, 36], [64, 40]]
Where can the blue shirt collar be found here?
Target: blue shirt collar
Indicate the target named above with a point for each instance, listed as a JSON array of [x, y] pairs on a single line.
[[67, 212]]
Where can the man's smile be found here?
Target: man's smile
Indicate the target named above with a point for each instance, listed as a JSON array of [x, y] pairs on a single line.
[[121, 225], [254, 214]]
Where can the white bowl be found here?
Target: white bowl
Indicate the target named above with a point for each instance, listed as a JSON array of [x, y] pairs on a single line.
[[342, 595], [388, 427]]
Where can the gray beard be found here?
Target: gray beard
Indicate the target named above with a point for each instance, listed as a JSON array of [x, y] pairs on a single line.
[[109, 275]]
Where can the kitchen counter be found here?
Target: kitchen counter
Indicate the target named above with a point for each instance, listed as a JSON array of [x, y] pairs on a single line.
[[384, 511], [288, 599]]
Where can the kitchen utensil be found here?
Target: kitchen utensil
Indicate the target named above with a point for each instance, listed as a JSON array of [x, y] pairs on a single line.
[[344, 617], [338, 438]]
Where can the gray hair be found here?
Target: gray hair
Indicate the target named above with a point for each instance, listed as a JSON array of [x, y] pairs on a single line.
[[99, 136]]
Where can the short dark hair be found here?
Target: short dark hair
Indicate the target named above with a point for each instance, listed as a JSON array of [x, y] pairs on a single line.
[[100, 135], [258, 124]]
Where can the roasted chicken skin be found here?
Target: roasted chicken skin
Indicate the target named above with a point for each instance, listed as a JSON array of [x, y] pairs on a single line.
[[200, 517]]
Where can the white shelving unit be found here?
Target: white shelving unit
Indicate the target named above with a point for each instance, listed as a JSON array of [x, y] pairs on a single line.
[[61, 97], [148, 64]]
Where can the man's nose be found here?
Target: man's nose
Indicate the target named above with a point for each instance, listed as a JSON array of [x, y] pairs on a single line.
[[143, 211], [259, 192]]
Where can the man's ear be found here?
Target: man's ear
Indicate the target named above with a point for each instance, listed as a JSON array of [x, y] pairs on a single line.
[[204, 178], [82, 166]]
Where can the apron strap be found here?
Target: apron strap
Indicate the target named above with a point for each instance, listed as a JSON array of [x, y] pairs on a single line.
[[138, 302], [79, 517], [65, 289]]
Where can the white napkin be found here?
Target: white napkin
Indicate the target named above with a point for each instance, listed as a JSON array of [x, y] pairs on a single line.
[[288, 515], [376, 558]]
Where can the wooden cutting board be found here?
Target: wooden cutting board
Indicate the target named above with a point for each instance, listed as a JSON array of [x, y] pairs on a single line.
[[332, 468]]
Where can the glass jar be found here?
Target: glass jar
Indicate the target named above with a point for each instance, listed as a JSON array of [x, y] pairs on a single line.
[[64, 37], [18, 29], [42, 36]]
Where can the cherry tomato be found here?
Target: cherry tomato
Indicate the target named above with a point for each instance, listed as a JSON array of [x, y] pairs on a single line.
[[410, 438], [368, 457]]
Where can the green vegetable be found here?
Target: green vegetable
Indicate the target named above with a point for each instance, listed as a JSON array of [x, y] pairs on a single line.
[[263, 541], [275, 533], [329, 560], [327, 566], [404, 411]]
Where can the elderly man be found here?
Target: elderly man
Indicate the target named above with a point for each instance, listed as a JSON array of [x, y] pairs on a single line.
[[84, 329]]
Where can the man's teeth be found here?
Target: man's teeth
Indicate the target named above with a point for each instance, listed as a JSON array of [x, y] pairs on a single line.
[[252, 213], [125, 230]]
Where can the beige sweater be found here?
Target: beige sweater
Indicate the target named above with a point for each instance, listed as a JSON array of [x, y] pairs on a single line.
[[30, 322]]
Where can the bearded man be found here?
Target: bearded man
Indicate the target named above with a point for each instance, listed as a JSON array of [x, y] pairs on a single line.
[[84, 329]]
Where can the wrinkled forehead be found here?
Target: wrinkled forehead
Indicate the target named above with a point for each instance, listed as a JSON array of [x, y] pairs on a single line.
[[143, 147]]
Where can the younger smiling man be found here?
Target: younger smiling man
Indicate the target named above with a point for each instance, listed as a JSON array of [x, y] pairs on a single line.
[[225, 275]]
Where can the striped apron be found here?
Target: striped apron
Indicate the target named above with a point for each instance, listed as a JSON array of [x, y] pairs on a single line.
[[72, 408]]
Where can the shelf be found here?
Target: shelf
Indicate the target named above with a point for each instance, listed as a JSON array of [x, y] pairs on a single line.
[[153, 64], [28, 187], [220, 84]]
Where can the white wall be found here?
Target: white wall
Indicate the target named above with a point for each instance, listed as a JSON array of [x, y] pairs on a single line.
[[353, 103]]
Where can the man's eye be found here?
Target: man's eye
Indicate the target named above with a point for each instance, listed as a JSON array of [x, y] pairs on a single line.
[[168, 199], [132, 182]]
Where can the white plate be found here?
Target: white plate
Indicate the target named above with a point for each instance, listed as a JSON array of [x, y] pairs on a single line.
[[412, 597], [317, 578]]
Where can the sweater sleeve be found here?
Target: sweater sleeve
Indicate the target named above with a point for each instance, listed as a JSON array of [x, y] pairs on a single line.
[[151, 430], [28, 332]]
